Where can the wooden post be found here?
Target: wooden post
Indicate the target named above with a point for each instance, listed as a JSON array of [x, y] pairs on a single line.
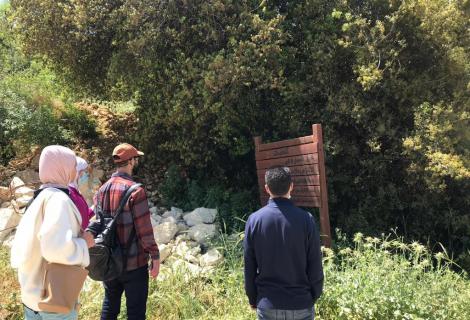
[[325, 230], [258, 142]]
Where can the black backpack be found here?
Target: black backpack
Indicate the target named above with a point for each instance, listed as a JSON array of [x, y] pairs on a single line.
[[108, 259]]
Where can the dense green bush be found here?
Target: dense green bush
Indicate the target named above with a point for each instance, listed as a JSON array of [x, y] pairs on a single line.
[[79, 123], [34, 107], [234, 205], [387, 79]]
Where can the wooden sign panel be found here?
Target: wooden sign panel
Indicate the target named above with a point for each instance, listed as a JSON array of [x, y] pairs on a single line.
[[305, 158]]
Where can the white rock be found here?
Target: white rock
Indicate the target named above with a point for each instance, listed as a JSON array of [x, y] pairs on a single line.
[[202, 232], [23, 201], [182, 248], [164, 232], [16, 183], [165, 251], [211, 258], [24, 191], [154, 210], [182, 237], [169, 219], [174, 212], [155, 220], [199, 216], [8, 220], [182, 227], [5, 193]]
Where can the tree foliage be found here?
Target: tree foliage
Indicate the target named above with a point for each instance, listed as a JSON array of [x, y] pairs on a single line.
[[389, 81]]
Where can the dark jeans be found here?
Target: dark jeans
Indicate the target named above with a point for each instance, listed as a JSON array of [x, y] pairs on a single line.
[[276, 314], [135, 284]]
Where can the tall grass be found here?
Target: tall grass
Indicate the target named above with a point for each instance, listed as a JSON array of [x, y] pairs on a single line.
[[370, 278]]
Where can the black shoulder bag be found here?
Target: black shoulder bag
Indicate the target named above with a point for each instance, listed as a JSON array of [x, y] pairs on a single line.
[[108, 259]]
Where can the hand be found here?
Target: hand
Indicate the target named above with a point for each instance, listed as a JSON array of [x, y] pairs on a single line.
[[155, 268], [88, 237]]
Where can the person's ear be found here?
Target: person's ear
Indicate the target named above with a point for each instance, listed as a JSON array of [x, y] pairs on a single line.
[[291, 187], [267, 189]]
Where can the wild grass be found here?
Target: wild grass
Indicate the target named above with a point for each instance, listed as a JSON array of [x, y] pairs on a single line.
[[369, 278]]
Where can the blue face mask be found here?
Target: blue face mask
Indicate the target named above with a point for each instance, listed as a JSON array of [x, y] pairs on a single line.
[[83, 179]]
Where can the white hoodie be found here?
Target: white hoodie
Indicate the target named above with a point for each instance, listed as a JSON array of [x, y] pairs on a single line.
[[54, 239]]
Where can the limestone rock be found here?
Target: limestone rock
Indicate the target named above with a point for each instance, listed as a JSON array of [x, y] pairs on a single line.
[[24, 192], [23, 201], [202, 232], [211, 258], [182, 227], [182, 237], [8, 220], [165, 232], [155, 220], [154, 210], [185, 247], [165, 251], [169, 219], [174, 212], [16, 183], [199, 216]]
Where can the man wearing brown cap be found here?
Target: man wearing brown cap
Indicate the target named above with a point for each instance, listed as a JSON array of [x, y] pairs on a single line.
[[135, 216]]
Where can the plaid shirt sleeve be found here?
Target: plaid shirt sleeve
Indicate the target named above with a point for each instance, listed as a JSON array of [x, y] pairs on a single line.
[[143, 225]]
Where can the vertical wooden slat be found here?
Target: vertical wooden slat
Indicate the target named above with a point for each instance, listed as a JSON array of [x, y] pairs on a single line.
[[258, 142], [325, 231]]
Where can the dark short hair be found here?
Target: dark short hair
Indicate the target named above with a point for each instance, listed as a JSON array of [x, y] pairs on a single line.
[[278, 180], [123, 163]]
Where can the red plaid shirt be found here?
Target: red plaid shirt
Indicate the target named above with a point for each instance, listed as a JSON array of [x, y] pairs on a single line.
[[143, 246]]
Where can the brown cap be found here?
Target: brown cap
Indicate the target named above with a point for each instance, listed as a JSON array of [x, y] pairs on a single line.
[[124, 152]]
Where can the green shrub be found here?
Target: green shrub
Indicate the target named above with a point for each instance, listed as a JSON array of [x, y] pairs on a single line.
[[234, 205], [79, 123], [386, 278]]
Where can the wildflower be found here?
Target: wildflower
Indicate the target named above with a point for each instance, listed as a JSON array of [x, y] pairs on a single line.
[[358, 237]]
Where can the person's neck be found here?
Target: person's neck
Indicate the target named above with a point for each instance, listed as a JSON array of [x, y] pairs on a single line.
[[125, 170], [286, 196]]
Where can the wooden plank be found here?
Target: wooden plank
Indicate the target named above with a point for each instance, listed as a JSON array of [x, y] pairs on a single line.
[[299, 170], [285, 143], [324, 211], [309, 202], [312, 180], [302, 149], [310, 158], [299, 191]]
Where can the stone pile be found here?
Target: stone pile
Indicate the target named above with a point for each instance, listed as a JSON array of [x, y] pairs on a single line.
[[183, 237]]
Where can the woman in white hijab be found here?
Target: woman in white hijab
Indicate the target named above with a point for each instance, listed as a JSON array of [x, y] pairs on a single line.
[[77, 198], [50, 231]]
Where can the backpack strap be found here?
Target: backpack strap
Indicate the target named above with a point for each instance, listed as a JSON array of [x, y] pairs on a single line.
[[37, 192], [123, 202]]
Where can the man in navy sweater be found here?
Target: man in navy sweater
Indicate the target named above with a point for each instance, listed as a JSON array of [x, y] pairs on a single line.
[[283, 261]]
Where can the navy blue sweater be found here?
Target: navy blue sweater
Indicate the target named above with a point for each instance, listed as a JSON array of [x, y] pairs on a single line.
[[283, 261]]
